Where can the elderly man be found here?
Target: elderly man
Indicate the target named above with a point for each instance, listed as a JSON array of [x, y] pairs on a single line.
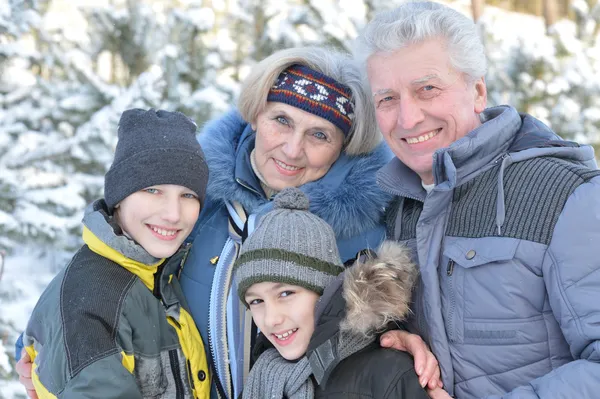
[[503, 216]]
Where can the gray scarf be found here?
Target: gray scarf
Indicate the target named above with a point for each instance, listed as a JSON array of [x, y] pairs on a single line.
[[274, 377]]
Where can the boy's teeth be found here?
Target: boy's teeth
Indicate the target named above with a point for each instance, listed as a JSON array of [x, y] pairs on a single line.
[[286, 166], [286, 334], [422, 138], [163, 232]]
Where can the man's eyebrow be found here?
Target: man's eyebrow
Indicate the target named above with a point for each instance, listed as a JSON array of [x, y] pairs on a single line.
[[382, 91], [425, 79]]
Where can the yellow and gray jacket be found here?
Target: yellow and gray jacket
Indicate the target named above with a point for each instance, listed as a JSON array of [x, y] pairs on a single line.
[[113, 324]]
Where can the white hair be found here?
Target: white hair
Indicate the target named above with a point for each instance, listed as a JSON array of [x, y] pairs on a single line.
[[416, 22], [363, 136]]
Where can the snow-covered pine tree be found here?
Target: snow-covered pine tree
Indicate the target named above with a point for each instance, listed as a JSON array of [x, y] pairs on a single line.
[[555, 78]]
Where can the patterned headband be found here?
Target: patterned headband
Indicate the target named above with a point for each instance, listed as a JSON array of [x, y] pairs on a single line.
[[314, 92]]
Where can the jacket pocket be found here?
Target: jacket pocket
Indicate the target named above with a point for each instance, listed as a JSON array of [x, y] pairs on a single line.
[[150, 376], [163, 376], [489, 294]]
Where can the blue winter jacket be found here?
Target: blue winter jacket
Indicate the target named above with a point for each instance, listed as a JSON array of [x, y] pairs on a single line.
[[508, 244], [346, 197]]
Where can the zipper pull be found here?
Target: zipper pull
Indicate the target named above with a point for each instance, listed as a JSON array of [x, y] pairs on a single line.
[[450, 268]]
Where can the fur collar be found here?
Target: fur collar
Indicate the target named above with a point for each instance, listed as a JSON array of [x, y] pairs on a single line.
[[347, 197], [378, 291]]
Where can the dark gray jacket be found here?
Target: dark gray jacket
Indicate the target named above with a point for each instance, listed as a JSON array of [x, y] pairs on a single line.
[[508, 244]]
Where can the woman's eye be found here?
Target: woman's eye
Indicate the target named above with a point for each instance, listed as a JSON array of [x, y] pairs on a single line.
[[282, 120], [320, 135], [151, 190], [255, 302]]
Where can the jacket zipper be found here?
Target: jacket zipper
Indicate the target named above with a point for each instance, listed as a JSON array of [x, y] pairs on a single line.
[[246, 186], [174, 360], [217, 308], [449, 272]]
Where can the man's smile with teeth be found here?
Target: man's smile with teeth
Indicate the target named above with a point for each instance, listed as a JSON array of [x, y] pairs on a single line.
[[423, 137], [285, 165], [285, 334]]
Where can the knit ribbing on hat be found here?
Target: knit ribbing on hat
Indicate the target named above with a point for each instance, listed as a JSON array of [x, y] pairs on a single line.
[[281, 266], [314, 92], [290, 245], [155, 147]]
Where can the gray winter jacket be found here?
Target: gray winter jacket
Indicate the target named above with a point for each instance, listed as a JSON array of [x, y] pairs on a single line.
[[508, 244]]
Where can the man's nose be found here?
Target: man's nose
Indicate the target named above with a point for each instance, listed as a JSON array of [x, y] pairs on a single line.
[[410, 113]]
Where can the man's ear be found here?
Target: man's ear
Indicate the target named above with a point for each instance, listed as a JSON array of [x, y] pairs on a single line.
[[480, 92]]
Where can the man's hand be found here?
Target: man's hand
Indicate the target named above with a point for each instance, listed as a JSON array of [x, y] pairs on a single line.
[[24, 366], [426, 365], [438, 393]]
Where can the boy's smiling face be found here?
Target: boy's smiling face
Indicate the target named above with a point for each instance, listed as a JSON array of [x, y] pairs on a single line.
[[159, 218], [285, 314]]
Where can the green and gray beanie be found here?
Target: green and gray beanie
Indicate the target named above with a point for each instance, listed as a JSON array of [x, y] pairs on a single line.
[[290, 245]]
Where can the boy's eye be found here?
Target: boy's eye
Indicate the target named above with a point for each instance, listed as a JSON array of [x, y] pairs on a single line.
[[286, 293], [190, 195], [254, 302], [151, 190]]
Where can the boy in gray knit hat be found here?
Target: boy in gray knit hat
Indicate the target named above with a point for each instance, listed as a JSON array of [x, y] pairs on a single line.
[[319, 320], [113, 323]]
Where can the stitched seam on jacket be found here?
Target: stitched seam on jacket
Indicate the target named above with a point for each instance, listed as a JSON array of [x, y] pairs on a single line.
[[563, 294]]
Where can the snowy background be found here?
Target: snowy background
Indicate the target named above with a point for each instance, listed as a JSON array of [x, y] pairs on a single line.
[[69, 68]]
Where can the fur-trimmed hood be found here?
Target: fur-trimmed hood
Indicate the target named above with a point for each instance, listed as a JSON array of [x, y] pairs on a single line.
[[369, 295], [361, 302], [378, 291], [347, 197]]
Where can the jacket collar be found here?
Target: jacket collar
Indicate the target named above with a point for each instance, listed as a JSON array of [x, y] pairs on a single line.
[[100, 235], [347, 197]]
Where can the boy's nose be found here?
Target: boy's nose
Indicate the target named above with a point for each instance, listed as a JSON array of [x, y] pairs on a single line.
[[273, 316], [172, 211]]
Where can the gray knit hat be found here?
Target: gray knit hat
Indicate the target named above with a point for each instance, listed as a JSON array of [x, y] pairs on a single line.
[[290, 245], [155, 147]]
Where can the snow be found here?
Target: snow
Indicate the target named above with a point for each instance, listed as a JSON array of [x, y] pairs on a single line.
[[60, 104]]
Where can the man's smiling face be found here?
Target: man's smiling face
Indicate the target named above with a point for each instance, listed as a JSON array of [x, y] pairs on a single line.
[[422, 103]]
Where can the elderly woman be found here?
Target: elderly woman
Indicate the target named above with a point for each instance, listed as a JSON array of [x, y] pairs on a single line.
[[302, 122]]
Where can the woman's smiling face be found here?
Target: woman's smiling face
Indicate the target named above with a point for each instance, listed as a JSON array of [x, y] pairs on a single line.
[[294, 147]]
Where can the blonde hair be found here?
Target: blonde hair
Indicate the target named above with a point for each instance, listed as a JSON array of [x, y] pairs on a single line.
[[363, 136]]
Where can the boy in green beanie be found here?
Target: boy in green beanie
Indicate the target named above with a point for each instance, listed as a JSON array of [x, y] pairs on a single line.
[[319, 321], [113, 323]]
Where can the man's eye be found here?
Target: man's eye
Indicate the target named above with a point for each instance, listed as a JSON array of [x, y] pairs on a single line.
[[151, 190], [190, 195], [428, 88], [286, 293], [385, 100], [255, 302]]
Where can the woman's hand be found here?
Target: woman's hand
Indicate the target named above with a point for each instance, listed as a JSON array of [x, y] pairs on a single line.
[[23, 368], [426, 365]]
